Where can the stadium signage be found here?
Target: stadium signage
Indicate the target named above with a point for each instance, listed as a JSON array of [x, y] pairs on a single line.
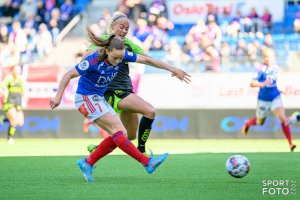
[[37, 124], [230, 91], [171, 123], [233, 124], [182, 12]]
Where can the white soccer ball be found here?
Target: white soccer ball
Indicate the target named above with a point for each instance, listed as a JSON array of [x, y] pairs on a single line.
[[238, 166]]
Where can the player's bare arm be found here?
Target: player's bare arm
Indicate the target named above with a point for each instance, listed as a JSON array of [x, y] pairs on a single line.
[[255, 83], [180, 74], [54, 102]]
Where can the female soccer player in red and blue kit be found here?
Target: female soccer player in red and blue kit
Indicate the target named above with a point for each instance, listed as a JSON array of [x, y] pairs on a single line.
[[97, 69], [268, 99]]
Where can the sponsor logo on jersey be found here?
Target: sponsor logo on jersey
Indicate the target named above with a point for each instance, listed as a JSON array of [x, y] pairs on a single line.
[[96, 98], [100, 65], [104, 80], [84, 65]]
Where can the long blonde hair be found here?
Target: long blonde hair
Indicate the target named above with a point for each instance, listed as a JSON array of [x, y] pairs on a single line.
[[112, 42], [116, 16]]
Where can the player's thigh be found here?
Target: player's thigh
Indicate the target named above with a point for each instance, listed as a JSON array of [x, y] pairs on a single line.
[[110, 123], [136, 104], [262, 110], [97, 110], [279, 112], [20, 118], [130, 121], [278, 109], [11, 114]]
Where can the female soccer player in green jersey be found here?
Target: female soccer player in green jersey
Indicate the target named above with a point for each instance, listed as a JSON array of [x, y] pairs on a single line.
[[120, 91], [13, 84]]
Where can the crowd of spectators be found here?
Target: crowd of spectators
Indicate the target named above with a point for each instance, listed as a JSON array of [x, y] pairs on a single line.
[[29, 28], [216, 43], [220, 42]]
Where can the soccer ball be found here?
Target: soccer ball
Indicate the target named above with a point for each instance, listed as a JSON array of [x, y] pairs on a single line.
[[238, 166]]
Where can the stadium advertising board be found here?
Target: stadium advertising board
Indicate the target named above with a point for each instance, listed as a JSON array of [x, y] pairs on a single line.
[[187, 123], [213, 91], [190, 11]]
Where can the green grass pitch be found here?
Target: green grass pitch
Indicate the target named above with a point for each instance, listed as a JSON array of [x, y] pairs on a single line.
[[46, 169]]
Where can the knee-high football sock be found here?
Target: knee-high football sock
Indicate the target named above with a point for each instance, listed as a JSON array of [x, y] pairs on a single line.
[[251, 122], [11, 131], [104, 148], [144, 132], [125, 145], [287, 132]]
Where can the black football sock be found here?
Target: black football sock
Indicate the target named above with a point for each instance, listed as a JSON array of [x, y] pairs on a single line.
[[11, 131], [144, 132]]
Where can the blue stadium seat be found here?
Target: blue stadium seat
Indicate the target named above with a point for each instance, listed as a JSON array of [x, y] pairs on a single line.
[[180, 39], [293, 41], [157, 54]]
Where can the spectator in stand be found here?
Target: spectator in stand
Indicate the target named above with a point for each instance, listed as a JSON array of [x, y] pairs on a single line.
[[18, 39], [9, 56], [41, 12], [54, 30], [137, 9], [122, 8], [173, 53], [254, 21], [16, 4], [3, 34], [297, 22], [55, 14], [225, 19], [28, 6], [8, 10], [225, 56], [29, 21], [210, 54], [268, 46], [49, 6], [189, 41], [214, 32], [266, 19], [142, 30], [66, 12], [252, 53], [43, 41], [160, 39], [235, 25], [211, 11], [164, 24], [241, 49], [159, 8], [160, 35], [31, 46]]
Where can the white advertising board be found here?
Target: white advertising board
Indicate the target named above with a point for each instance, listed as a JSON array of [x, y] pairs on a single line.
[[220, 91], [190, 11]]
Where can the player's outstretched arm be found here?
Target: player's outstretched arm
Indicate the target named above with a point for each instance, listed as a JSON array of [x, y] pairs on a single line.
[[255, 83], [73, 73], [180, 74]]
